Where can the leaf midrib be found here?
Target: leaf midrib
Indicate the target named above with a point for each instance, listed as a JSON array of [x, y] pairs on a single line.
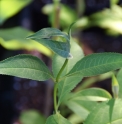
[[92, 67], [29, 69]]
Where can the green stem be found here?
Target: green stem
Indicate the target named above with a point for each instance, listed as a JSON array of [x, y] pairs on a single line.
[[55, 96], [61, 70], [56, 85], [56, 13]]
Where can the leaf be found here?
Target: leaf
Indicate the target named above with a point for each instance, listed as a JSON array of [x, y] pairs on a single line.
[[119, 78], [96, 64], [44, 37], [83, 102], [25, 66], [106, 113], [14, 39], [57, 119], [48, 33], [74, 119], [91, 94], [66, 85], [81, 108], [114, 2], [109, 19], [9, 8], [31, 117]]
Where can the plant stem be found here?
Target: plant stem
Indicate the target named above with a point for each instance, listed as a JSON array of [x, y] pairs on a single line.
[[61, 70], [56, 85], [56, 13], [55, 97]]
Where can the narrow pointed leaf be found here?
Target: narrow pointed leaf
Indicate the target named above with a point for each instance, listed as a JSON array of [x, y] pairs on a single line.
[[96, 64], [66, 85], [106, 113], [57, 119], [44, 37], [25, 66]]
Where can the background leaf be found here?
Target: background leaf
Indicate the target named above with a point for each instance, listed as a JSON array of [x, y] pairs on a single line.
[[67, 14], [10, 7], [66, 85], [25, 66], [96, 64], [44, 37], [15, 39], [31, 117], [57, 119], [106, 113]]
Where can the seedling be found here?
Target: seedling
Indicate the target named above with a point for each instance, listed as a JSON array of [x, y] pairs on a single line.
[[69, 66]]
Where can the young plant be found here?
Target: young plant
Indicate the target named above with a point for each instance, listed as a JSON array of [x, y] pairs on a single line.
[[69, 66]]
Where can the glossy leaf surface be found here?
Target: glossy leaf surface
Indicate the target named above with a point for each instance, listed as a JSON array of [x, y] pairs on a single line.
[[25, 66], [57, 119], [96, 64], [106, 113], [44, 37]]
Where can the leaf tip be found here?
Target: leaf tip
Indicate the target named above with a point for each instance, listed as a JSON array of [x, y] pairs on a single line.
[[70, 56]]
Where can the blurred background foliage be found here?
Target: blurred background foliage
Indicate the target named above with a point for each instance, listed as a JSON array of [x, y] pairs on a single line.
[[98, 28]]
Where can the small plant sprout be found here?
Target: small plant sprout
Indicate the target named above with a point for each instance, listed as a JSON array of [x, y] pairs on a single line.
[[69, 67]]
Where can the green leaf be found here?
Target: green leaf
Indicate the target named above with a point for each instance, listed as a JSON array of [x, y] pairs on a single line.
[[109, 19], [91, 94], [74, 119], [83, 102], [96, 64], [81, 108], [119, 78], [14, 39], [114, 2], [44, 37], [57, 119], [9, 8], [66, 85], [25, 66], [31, 117], [48, 33], [106, 113]]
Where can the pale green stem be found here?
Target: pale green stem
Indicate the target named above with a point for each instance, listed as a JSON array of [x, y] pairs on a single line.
[[56, 14], [56, 85]]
